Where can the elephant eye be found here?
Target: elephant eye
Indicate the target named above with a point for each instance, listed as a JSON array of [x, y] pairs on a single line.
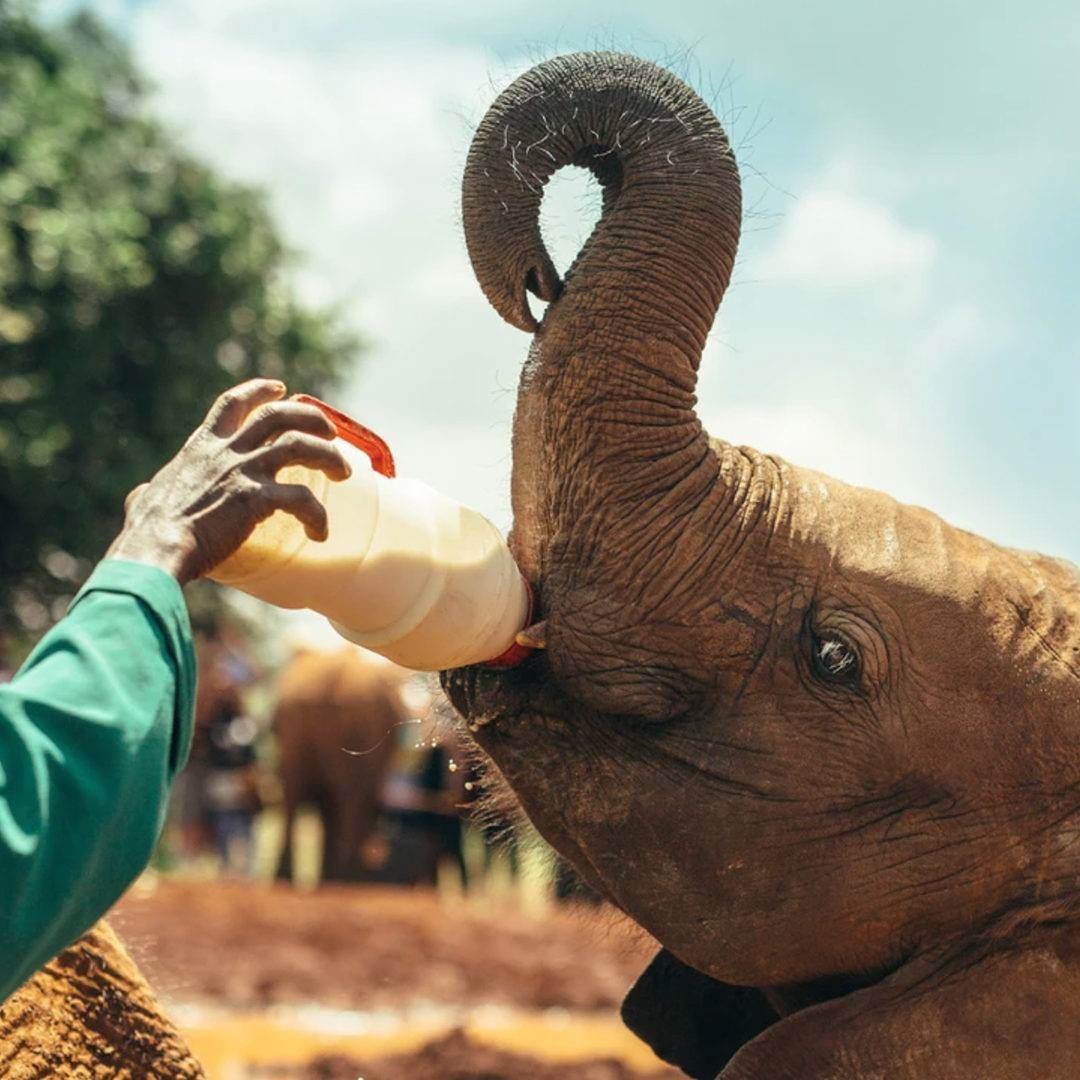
[[835, 659]]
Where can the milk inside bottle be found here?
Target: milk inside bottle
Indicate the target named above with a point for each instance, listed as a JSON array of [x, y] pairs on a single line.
[[405, 571]]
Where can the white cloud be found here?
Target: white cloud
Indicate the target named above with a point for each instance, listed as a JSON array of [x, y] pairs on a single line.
[[956, 329], [889, 431], [833, 238], [360, 145], [866, 448]]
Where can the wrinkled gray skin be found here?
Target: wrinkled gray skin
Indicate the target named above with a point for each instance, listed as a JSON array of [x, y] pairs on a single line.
[[816, 742]]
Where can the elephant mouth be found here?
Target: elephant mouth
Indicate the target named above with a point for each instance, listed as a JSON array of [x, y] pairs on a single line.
[[460, 686], [527, 732], [483, 697]]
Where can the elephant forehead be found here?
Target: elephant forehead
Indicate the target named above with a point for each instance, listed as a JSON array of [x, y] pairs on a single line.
[[866, 535]]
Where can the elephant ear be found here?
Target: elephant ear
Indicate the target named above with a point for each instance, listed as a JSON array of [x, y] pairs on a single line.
[[690, 1020]]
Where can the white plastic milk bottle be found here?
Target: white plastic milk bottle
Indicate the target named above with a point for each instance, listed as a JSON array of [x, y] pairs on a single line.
[[405, 571]]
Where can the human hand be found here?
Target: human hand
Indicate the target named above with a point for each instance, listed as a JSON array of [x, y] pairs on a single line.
[[206, 501]]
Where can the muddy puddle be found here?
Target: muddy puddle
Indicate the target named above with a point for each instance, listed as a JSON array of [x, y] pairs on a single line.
[[244, 1045]]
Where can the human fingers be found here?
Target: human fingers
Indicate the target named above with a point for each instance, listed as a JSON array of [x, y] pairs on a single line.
[[300, 501], [270, 421], [296, 448], [231, 408]]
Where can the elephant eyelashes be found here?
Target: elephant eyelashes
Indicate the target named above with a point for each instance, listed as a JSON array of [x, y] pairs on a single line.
[[835, 660]]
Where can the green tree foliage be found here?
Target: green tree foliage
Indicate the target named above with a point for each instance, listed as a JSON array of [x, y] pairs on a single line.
[[135, 284]]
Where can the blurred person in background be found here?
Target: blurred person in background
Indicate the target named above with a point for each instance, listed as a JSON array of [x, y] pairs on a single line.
[[215, 796], [442, 784], [230, 799], [96, 724], [422, 810], [7, 670], [188, 817]]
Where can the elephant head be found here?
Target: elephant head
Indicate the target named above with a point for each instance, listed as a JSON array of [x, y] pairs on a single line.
[[815, 741]]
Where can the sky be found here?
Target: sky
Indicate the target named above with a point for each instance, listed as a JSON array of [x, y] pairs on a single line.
[[902, 310]]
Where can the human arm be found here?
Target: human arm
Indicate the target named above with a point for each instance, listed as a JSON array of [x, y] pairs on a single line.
[[96, 724]]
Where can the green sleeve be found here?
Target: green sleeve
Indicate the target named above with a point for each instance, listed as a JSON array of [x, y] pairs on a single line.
[[93, 728]]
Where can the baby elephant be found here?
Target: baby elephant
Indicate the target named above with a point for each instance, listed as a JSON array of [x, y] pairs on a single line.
[[824, 747]]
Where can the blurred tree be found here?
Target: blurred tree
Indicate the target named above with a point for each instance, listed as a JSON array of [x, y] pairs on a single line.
[[134, 285]]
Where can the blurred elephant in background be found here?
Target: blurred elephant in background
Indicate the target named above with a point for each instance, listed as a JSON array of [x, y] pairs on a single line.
[[335, 719]]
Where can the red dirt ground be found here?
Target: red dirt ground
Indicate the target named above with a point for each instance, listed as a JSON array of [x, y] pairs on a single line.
[[456, 1057], [362, 948], [246, 947]]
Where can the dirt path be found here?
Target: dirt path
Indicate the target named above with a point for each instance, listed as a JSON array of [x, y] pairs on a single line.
[[365, 948], [456, 1057], [271, 982]]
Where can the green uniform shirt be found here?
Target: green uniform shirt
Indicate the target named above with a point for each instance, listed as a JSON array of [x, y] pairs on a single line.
[[93, 728]]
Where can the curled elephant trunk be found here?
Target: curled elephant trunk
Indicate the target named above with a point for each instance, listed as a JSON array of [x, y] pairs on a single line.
[[606, 405]]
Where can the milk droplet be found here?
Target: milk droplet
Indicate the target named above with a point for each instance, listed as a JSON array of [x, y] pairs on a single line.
[[452, 765]]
